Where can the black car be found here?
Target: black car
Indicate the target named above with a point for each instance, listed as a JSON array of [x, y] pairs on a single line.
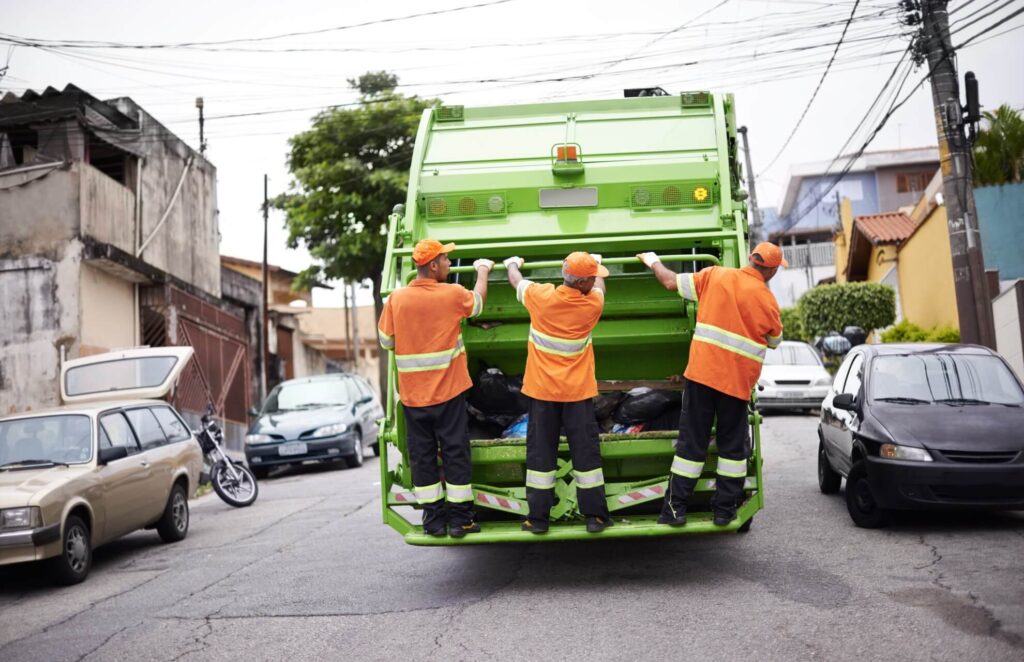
[[915, 426], [330, 418]]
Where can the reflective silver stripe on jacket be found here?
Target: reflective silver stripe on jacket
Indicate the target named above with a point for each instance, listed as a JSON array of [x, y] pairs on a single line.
[[686, 468], [540, 480], [732, 342], [431, 361], [686, 286], [386, 341], [478, 305], [559, 346], [429, 494], [521, 289], [774, 341], [459, 493], [588, 479], [731, 468]]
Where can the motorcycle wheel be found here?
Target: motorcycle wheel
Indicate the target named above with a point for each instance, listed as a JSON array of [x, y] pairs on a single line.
[[238, 493]]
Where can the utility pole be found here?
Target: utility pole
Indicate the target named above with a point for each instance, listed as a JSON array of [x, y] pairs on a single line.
[[755, 211], [202, 136], [265, 348], [355, 329], [348, 330], [974, 304]]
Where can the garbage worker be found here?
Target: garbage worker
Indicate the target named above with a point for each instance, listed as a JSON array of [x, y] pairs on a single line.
[[737, 322], [421, 324], [561, 385]]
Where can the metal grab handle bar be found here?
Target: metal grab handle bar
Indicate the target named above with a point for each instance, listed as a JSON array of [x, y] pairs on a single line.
[[548, 264]]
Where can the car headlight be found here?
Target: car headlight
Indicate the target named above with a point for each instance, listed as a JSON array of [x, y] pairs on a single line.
[[20, 518], [258, 439], [894, 452], [330, 430]]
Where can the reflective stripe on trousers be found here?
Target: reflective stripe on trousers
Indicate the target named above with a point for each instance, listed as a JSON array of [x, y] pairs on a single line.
[[459, 493], [731, 468], [729, 341], [558, 346], [587, 479], [540, 480], [686, 468], [431, 361], [428, 494]]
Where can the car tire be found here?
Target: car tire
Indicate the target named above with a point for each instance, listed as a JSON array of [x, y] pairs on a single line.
[[376, 449], [860, 502], [73, 563], [260, 472], [355, 460], [173, 525], [828, 478]]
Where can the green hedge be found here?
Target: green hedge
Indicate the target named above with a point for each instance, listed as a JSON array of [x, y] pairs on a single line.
[[834, 307], [793, 324], [907, 331]]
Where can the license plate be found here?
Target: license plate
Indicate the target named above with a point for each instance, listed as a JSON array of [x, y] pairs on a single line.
[[295, 448], [796, 395]]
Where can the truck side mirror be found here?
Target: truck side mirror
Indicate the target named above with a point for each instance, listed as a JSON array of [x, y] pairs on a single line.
[[845, 401]]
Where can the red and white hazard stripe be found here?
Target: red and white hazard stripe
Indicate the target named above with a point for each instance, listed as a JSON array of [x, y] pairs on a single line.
[[642, 494], [491, 500], [405, 497]]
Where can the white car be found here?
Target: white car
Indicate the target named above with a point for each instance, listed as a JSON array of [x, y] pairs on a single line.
[[114, 459], [793, 377]]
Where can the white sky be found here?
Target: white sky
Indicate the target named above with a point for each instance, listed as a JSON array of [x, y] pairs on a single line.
[[722, 45]]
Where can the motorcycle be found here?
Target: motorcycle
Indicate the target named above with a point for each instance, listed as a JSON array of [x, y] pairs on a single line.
[[232, 481]]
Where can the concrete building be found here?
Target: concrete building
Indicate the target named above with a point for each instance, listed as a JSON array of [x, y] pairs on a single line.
[[806, 220], [109, 238]]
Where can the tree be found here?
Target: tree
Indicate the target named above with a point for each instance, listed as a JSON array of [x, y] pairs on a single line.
[[999, 148], [833, 307], [348, 172]]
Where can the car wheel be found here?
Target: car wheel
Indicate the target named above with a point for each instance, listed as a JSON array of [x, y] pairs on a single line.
[[260, 472], [828, 478], [376, 449], [173, 525], [355, 460], [860, 502], [75, 560]]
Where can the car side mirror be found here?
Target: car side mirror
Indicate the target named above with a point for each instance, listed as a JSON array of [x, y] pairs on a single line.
[[253, 412], [845, 401], [108, 455]]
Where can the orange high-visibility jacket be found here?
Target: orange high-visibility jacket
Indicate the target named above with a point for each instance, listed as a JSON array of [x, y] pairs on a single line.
[[737, 322]]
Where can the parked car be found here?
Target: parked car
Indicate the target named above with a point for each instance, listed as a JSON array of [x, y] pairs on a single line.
[[922, 426], [114, 459], [793, 377], [330, 418]]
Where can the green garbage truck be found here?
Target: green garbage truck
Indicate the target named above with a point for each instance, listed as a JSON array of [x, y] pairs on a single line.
[[615, 177]]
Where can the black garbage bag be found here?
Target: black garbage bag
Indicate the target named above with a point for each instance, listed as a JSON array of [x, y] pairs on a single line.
[[606, 403], [643, 404], [483, 429], [668, 419], [496, 394], [856, 335]]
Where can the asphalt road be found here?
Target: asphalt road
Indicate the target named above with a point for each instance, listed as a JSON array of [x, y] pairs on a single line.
[[309, 573]]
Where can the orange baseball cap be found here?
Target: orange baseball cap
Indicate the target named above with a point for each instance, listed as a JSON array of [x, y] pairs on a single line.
[[427, 249], [770, 254], [582, 265]]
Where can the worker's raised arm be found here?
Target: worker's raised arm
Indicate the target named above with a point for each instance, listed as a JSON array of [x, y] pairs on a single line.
[[599, 283], [483, 269], [665, 276]]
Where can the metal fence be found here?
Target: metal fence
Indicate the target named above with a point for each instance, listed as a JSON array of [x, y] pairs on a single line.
[[820, 254]]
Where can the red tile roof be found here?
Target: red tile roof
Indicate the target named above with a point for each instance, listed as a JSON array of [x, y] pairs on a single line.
[[888, 228]]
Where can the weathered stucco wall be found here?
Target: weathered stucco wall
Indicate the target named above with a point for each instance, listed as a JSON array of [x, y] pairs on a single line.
[[108, 209], [38, 210], [108, 312], [41, 315]]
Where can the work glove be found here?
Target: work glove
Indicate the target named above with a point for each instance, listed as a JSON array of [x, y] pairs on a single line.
[[597, 257], [649, 258], [483, 262], [518, 261]]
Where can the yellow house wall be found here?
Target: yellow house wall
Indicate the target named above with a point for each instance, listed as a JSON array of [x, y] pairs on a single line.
[[926, 275], [842, 240], [882, 258]]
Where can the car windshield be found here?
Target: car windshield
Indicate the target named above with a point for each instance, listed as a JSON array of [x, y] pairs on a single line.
[[792, 355], [307, 395], [945, 377], [62, 439]]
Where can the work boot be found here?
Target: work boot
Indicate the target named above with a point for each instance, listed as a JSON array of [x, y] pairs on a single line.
[[460, 531], [723, 518], [534, 527], [598, 524], [440, 532], [679, 519]]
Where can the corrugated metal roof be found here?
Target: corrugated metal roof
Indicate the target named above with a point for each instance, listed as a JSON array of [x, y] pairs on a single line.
[[888, 228]]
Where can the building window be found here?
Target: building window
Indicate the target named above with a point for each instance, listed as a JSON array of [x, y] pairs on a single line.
[[912, 182]]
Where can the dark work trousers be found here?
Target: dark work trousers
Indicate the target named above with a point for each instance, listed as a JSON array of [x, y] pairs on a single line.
[[427, 428], [546, 422], [702, 405]]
